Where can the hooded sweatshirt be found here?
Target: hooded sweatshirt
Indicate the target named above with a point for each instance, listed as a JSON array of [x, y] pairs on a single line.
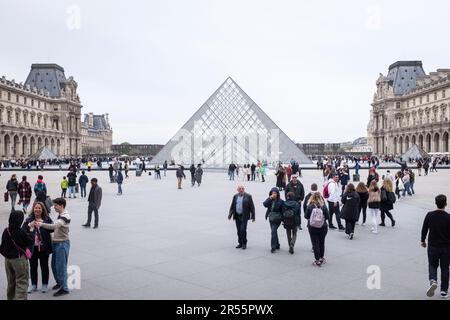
[[278, 206], [21, 238], [295, 207]]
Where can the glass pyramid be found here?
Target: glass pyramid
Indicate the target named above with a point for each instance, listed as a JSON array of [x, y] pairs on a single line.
[[229, 127]]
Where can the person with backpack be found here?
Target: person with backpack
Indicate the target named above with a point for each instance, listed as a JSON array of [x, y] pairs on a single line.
[[180, 175], [42, 247], [25, 194], [291, 219], [363, 194], [14, 248], [437, 226], [317, 215], [274, 213], [387, 197], [332, 193], [40, 189], [296, 187], [72, 177], [12, 187], [350, 210], [241, 210], [374, 204]]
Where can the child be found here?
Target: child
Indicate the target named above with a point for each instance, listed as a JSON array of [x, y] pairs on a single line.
[[64, 186]]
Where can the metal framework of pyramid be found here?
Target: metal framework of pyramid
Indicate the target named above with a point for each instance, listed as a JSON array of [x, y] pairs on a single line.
[[230, 128], [414, 152], [43, 153]]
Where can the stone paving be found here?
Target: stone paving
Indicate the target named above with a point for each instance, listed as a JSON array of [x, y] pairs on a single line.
[[157, 242]]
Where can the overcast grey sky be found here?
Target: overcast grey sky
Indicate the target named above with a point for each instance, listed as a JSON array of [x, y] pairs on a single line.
[[310, 66]]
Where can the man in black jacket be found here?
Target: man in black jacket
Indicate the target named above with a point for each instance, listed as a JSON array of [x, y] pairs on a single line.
[[242, 209], [314, 189], [437, 226], [296, 187]]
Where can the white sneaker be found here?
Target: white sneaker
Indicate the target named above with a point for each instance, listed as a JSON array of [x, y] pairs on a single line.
[[432, 288], [444, 294], [374, 231]]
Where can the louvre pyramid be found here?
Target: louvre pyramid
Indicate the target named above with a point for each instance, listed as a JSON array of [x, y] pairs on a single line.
[[229, 127], [415, 152]]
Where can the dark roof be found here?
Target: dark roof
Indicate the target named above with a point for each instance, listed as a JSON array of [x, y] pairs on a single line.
[[48, 77], [99, 122], [403, 75]]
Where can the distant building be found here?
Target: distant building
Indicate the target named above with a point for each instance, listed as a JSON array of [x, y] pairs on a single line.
[[146, 150], [317, 149], [96, 134], [45, 111], [410, 107]]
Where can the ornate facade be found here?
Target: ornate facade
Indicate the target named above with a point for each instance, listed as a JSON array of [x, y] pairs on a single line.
[[96, 134], [45, 111], [410, 107]]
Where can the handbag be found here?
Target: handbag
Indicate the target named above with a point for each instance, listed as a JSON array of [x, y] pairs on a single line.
[[274, 217], [6, 196], [27, 251]]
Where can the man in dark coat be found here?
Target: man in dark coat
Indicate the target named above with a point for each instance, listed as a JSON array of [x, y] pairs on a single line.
[[297, 188], [95, 200], [350, 210], [242, 209]]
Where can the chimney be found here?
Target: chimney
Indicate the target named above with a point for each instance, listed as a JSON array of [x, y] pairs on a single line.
[[91, 119]]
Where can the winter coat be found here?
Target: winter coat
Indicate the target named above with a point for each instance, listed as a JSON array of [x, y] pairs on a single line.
[[277, 207], [248, 207], [119, 178], [325, 211], [40, 190], [363, 197], [198, 175], [21, 238], [385, 204], [12, 185], [83, 180], [295, 207], [350, 210], [72, 177], [297, 189], [64, 184], [43, 234], [25, 192]]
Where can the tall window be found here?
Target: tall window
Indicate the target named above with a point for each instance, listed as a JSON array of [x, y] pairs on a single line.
[[17, 98], [9, 116], [443, 94], [428, 98], [32, 102], [24, 100], [397, 105], [420, 100], [414, 102], [9, 96], [435, 96]]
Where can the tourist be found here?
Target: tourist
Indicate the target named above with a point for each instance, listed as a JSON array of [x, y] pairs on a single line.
[[83, 180], [64, 186], [437, 226], [111, 173], [363, 194], [42, 247], [344, 177], [252, 170], [157, 172], [60, 246], [274, 206], [119, 182], [387, 197], [289, 173], [248, 172], [281, 177], [291, 219], [242, 209], [12, 187], [40, 190], [14, 247], [350, 209], [333, 196], [263, 171], [314, 189], [192, 171], [373, 175], [296, 187], [412, 180], [406, 183], [72, 177], [398, 183], [198, 174], [374, 204], [127, 168], [25, 194], [419, 167], [164, 167], [426, 166], [95, 201], [180, 175], [317, 215]]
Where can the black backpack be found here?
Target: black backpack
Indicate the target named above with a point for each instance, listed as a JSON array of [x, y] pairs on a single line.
[[288, 217]]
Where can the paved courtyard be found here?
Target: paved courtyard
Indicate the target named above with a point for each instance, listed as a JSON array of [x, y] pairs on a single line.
[[157, 242]]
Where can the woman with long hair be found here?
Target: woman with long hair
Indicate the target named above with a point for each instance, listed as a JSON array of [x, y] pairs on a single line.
[[363, 193], [350, 210], [42, 247], [387, 201], [374, 204], [317, 215]]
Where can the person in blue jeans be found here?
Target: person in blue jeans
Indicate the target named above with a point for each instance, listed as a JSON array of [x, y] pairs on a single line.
[[60, 246], [274, 206], [119, 182], [83, 180]]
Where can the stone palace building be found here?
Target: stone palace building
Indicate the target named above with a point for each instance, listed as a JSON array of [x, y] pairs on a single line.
[[45, 111], [96, 134], [410, 107]]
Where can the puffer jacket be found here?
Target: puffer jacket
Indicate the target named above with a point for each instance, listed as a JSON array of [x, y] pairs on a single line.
[[350, 210]]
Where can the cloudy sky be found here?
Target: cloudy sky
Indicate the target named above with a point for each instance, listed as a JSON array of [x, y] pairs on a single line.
[[310, 66]]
